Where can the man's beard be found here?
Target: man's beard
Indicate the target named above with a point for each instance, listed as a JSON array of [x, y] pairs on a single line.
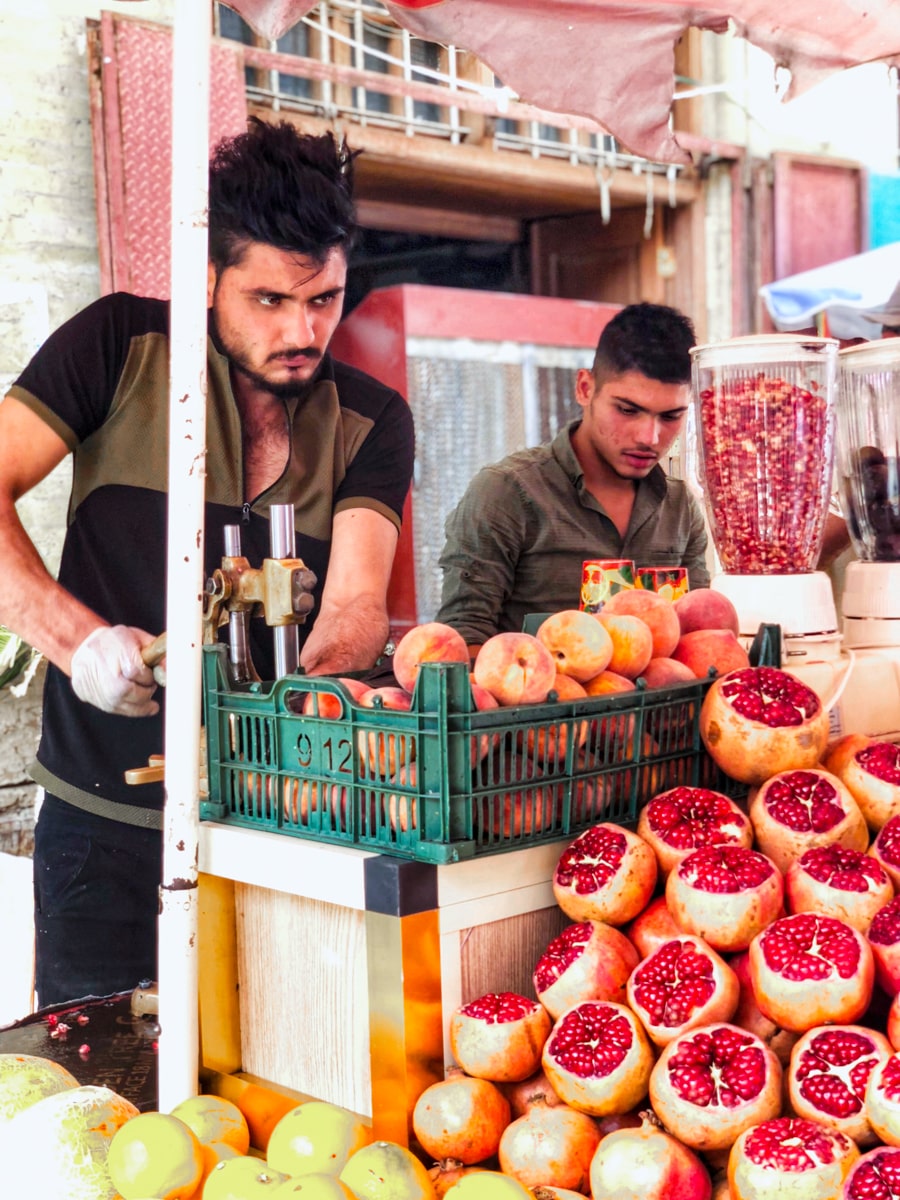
[[291, 389]]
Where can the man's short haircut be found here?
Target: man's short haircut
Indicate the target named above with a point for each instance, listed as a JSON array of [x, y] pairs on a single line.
[[652, 339], [278, 186]]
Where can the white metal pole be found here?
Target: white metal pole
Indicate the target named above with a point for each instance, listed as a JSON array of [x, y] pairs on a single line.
[[178, 973]]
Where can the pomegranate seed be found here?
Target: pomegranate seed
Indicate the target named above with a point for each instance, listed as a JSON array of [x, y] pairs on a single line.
[[804, 801], [878, 1178], [842, 868], [591, 1040], [591, 860], [808, 946], [83, 1019], [890, 1079], [889, 841], [84, 1050], [770, 696], [881, 759], [688, 818], [834, 1070], [725, 869], [560, 953], [793, 1144], [673, 982], [52, 1019], [496, 1008], [885, 927], [718, 1066]]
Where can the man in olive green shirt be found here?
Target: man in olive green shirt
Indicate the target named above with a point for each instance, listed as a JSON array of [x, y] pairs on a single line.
[[516, 541]]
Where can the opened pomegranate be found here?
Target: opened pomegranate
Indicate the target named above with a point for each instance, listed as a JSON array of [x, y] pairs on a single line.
[[758, 721], [550, 1147], [598, 1058], [790, 1156], [872, 774], [461, 1118], [711, 1084], [796, 810], [724, 894], [882, 1100], [886, 848], [748, 1016], [838, 882], [685, 818], [525, 1093], [499, 1036], [652, 927], [828, 1073], [647, 1163], [681, 985], [607, 874], [874, 1176], [810, 970], [883, 936], [587, 961]]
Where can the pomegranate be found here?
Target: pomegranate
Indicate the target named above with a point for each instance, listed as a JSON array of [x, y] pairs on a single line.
[[882, 1100], [724, 894], [883, 936], [525, 1093], [499, 1036], [652, 927], [587, 961], [748, 1016], [711, 1084], [758, 721], [607, 874], [828, 1073], [598, 1058], [872, 774], [647, 1163], [550, 1147], [796, 810], [460, 1117], [841, 750], [681, 985], [838, 882], [874, 1176], [810, 970], [789, 1157], [685, 818], [886, 848]]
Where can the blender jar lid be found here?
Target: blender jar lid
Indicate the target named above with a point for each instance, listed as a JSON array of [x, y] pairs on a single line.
[[883, 353], [763, 348]]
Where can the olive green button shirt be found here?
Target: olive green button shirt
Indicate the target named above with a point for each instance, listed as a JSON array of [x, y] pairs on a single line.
[[516, 540]]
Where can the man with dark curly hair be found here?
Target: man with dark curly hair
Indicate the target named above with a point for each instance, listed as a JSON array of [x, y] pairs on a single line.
[[285, 424]]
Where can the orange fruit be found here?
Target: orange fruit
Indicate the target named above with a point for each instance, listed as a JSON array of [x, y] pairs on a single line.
[[155, 1154], [215, 1119], [316, 1137], [386, 1171]]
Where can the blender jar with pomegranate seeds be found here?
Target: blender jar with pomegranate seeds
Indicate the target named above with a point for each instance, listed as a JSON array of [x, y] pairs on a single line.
[[764, 409]]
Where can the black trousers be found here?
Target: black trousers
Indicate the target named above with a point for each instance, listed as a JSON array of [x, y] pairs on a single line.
[[96, 900]]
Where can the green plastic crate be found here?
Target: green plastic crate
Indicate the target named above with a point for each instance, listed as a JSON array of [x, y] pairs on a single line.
[[443, 781]]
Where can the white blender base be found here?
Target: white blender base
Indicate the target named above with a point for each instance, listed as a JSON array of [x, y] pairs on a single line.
[[802, 605], [870, 700]]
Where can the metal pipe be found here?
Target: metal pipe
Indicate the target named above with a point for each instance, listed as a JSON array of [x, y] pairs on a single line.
[[282, 544], [238, 622]]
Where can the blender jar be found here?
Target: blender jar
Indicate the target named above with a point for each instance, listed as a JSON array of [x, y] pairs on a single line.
[[868, 447], [764, 414]]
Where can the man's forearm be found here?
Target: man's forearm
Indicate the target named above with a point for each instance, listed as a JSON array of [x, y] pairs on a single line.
[[350, 638]]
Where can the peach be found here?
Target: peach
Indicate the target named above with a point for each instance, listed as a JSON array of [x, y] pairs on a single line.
[[661, 672], [330, 705], [632, 642], [515, 668], [383, 751], [608, 682], [705, 648], [655, 611], [431, 642], [401, 810], [547, 743], [300, 802], [484, 702], [704, 608], [580, 646]]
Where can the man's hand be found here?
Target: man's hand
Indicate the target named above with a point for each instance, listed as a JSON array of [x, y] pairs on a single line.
[[108, 672]]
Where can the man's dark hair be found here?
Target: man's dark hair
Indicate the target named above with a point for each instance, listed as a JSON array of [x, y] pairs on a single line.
[[650, 338], [276, 185]]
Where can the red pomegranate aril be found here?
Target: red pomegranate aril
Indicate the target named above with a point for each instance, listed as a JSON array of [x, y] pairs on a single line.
[[682, 985], [598, 1058], [883, 935], [606, 874], [587, 961], [810, 970], [886, 849], [711, 1084], [790, 1156], [873, 776], [725, 895], [828, 1073], [683, 819], [759, 721], [874, 1176], [797, 810], [499, 1036], [838, 882], [648, 1162]]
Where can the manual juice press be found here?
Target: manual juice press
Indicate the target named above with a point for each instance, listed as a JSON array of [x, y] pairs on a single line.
[[764, 409]]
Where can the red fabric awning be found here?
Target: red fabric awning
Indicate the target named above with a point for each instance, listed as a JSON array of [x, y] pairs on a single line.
[[613, 61]]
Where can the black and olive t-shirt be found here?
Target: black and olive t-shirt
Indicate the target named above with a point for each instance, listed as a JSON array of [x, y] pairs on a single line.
[[101, 382]]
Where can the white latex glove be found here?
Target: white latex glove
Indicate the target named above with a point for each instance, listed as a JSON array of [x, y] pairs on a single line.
[[108, 672]]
